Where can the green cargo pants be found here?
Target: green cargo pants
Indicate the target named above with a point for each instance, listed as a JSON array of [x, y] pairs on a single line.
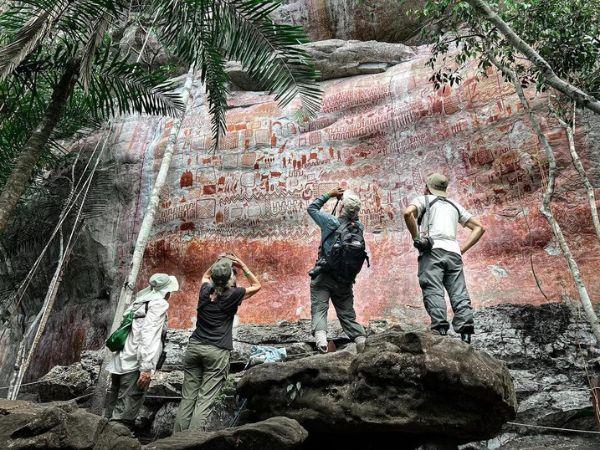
[[205, 369], [439, 270], [322, 288], [124, 398]]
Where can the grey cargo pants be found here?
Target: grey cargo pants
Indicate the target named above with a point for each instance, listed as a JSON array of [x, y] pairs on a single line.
[[322, 288], [124, 398], [441, 269]]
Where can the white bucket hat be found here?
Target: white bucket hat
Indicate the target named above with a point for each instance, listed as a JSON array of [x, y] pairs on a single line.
[[160, 285], [161, 282]]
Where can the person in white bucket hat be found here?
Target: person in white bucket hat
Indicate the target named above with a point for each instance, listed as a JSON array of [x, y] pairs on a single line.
[[131, 369]]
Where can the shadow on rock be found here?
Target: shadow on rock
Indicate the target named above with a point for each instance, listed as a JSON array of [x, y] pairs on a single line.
[[276, 433]]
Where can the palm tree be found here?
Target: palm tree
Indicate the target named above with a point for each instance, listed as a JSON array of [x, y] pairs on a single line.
[[64, 45], [204, 33]]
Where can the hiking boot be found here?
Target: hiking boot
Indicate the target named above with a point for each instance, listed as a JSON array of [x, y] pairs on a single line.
[[360, 342], [441, 331], [465, 337], [321, 341]]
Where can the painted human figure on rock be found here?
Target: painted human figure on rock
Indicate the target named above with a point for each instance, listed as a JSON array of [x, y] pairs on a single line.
[[432, 220], [341, 255], [206, 360]]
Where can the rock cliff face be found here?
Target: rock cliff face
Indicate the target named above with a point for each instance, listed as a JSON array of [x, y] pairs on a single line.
[[381, 20], [379, 134]]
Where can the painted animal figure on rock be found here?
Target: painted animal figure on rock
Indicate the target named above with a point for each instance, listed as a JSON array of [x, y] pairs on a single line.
[[206, 360], [432, 220], [341, 256]]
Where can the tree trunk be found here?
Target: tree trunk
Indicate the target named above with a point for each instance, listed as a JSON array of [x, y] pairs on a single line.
[[546, 210], [142, 238], [583, 99], [65, 252], [589, 188], [34, 148]]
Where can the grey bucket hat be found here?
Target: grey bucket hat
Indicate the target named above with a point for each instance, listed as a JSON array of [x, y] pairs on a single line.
[[221, 271]]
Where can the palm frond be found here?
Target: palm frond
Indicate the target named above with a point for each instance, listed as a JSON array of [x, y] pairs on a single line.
[[215, 79], [269, 51], [89, 52], [29, 37], [116, 87], [242, 30], [181, 24]]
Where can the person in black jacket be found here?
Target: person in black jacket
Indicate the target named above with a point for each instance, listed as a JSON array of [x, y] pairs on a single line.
[[206, 360]]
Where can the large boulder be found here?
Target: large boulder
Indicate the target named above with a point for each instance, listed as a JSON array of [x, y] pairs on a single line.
[[25, 425], [276, 433], [63, 383], [416, 385], [337, 58]]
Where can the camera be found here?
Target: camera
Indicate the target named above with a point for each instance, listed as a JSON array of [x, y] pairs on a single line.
[[315, 271], [424, 244]]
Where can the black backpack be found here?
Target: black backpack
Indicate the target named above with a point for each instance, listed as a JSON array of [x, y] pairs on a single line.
[[348, 252]]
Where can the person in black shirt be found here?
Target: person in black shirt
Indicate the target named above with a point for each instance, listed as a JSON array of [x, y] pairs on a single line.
[[206, 360]]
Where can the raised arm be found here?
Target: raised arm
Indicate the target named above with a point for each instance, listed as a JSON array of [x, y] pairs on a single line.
[[323, 219], [254, 282], [477, 231]]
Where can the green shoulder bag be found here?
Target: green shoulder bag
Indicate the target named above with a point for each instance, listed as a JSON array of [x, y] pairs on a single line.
[[116, 341]]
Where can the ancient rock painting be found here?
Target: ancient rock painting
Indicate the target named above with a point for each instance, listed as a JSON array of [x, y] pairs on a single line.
[[379, 135]]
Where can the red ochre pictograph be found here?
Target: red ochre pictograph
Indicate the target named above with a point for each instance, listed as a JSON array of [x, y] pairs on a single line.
[[380, 136]]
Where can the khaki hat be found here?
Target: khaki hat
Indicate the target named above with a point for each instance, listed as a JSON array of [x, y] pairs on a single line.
[[221, 271], [437, 184]]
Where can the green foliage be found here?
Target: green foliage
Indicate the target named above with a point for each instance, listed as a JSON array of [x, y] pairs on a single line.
[[566, 33], [207, 33], [39, 41], [40, 38]]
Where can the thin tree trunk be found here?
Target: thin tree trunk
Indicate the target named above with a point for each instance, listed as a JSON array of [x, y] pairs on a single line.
[[583, 99], [142, 238], [21, 352], [589, 188], [148, 221], [51, 294], [71, 201], [546, 210], [34, 148]]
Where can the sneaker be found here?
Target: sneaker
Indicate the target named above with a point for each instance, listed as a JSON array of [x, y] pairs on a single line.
[[360, 342], [321, 341], [465, 337]]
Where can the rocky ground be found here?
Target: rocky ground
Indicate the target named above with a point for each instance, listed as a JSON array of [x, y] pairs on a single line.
[[547, 350]]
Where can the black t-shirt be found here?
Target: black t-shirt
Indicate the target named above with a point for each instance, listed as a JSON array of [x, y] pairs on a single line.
[[215, 319]]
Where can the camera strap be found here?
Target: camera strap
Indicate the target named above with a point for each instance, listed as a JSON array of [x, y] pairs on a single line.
[[428, 214]]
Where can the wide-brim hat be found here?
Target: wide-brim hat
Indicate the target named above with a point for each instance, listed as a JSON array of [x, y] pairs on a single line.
[[164, 283], [221, 271], [437, 184]]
